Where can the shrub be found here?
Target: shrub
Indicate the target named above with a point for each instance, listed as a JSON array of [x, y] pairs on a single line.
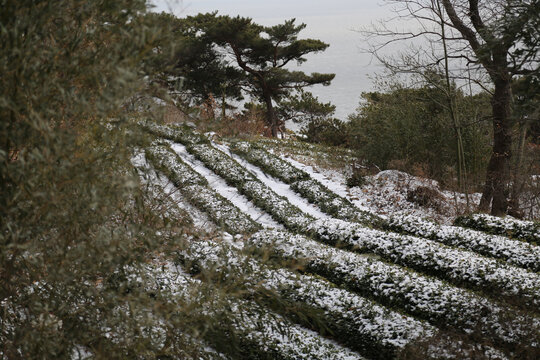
[[333, 132], [411, 128], [76, 225], [425, 196], [356, 176]]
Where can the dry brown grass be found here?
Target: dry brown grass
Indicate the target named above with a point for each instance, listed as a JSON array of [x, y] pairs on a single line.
[[173, 115], [209, 118]]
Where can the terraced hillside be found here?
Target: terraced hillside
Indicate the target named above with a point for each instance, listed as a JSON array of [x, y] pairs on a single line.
[[341, 282]]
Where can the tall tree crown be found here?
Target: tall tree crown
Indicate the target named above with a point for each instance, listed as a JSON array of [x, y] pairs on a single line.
[[263, 53]]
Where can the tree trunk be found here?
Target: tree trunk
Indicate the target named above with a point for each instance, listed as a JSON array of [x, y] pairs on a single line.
[[518, 181], [271, 118], [497, 171]]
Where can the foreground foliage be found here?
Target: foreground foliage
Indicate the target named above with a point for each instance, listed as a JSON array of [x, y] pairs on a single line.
[[76, 227]]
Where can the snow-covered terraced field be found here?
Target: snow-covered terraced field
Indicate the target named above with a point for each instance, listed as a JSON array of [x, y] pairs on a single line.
[[440, 291], [515, 252]]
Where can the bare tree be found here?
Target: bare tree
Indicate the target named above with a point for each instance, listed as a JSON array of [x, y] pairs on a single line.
[[496, 38]]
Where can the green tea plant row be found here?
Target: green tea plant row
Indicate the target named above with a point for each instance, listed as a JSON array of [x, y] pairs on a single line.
[[515, 252], [165, 205], [455, 265], [262, 333], [508, 226], [302, 183], [427, 298], [247, 183], [267, 335], [195, 189], [329, 155], [360, 323], [458, 266], [179, 133]]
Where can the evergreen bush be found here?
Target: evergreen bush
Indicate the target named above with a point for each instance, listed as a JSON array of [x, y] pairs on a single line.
[[75, 224]]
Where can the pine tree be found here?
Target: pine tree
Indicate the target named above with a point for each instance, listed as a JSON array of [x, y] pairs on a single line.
[[263, 54]]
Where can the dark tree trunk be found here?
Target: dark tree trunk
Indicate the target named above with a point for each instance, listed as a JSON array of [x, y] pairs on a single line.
[[271, 118], [497, 172], [518, 181]]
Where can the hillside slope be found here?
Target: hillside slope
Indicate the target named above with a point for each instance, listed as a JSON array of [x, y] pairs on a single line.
[[351, 282]]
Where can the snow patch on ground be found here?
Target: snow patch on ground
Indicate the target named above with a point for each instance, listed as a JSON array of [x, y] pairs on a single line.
[[385, 193]]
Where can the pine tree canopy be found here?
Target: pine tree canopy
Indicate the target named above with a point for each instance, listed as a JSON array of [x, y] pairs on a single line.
[[263, 53]]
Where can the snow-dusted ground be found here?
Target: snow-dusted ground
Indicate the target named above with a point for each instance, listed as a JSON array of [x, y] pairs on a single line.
[[386, 193]]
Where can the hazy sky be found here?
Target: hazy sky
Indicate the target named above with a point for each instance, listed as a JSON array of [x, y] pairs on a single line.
[[332, 21], [272, 8]]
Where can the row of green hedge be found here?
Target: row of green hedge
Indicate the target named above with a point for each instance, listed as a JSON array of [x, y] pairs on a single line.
[[195, 189], [508, 226], [515, 252], [428, 298], [178, 133], [359, 323]]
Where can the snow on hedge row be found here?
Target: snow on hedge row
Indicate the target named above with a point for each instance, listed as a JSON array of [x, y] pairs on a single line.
[[508, 226], [261, 333], [277, 338], [179, 133], [194, 188], [221, 164], [260, 194], [180, 173], [515, 252], [423, 296], [168, 283], [455, 265], [328, 201], [270, 163], [300, 181], [358, 322], [164, 193]]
